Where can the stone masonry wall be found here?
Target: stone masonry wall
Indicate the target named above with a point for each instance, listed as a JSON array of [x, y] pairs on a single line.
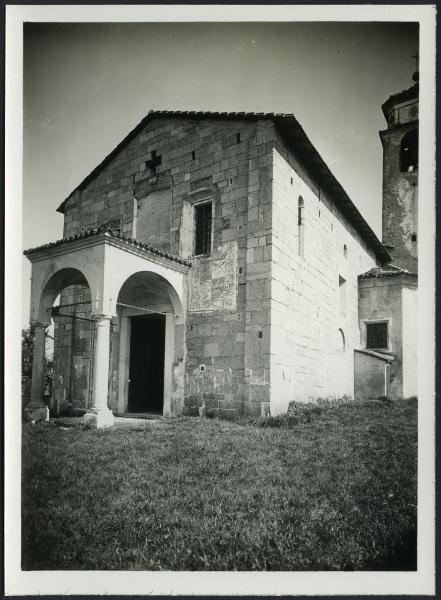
[[400, 202], [73, 353], [227, 329], [262, 325], [312, 340]]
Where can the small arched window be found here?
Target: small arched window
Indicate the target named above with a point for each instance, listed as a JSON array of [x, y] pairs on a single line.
[[341, 340], [409, 152], [345, 251]]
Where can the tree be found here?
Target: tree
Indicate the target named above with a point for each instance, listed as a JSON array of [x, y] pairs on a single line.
[[27, 350]]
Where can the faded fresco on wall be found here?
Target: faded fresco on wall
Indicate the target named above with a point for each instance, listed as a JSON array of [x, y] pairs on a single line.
[[213, 280]]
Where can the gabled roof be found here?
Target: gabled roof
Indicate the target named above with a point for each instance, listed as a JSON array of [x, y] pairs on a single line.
[[114, 234], [294, 135], [386, 271]]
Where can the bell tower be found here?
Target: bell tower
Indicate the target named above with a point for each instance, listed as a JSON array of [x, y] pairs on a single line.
[[400, 177]]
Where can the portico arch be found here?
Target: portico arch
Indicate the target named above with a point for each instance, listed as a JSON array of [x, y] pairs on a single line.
[[55, 284], [117, 270], [47, 285], [151, 349]]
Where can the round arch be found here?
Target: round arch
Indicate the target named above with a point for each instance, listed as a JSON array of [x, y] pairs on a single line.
[[151, 345], [409, 151], [55, 284], [144, 289]]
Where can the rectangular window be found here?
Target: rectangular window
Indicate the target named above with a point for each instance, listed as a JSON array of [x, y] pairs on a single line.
[[203, 229], [376, 335]]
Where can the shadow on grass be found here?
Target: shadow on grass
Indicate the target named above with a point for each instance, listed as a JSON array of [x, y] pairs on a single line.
[[403, 556]]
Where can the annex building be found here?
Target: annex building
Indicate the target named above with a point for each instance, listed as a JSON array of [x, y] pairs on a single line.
[[212, 264]]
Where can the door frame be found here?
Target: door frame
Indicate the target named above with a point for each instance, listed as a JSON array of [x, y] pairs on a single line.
[[124, 358]]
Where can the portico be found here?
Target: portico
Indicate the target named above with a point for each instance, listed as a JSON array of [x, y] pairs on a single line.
[[109, 264]]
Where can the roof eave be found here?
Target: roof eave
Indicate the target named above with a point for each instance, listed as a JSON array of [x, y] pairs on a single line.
[[286, 122], [318, 166], [97, 236]]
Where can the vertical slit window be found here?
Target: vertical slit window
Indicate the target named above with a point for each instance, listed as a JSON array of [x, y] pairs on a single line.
[[342, 293], [203, 229], [301, 226]]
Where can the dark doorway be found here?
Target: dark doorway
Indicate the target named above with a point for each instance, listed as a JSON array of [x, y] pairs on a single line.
[[146, 372]]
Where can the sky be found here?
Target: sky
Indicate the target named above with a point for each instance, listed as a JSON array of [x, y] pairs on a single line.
[[85, 86]]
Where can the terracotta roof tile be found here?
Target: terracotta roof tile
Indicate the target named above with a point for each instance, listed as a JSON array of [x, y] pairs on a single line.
[[386, 271], [112, 233]]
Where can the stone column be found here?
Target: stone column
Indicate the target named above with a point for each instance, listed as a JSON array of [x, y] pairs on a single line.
[[99, 414], [36, 410]]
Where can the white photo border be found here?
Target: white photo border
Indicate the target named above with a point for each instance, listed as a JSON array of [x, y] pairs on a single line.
[[18, 582]]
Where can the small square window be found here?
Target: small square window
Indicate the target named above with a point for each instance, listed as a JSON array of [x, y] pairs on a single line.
[[203, 229], [376, 335]]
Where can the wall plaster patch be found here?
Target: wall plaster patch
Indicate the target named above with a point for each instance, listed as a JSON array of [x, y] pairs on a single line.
[[213, 280]]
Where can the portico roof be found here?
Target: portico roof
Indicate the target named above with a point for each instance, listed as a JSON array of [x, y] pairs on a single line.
[[103, 260], [32, 253]]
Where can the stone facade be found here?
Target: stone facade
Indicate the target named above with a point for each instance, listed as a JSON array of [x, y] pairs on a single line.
[[226, 310], [314, 290], [271, 314]]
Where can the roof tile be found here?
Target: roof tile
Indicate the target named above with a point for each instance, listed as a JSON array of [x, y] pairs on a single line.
[[99, 230], [386, 271]]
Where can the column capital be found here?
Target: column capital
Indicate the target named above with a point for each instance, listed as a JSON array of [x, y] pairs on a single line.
[[39, 324], [102, 317]]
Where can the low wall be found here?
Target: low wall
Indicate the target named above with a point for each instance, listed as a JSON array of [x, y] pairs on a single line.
[[371, 375]]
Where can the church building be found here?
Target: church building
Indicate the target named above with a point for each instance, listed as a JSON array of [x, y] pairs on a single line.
[[212, 264]]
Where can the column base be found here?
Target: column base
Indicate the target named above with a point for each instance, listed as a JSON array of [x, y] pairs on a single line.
[[35, 413], [99, 418]]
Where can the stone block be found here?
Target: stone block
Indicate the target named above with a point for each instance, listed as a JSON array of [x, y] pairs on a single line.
[[191, 411], [252, 409]]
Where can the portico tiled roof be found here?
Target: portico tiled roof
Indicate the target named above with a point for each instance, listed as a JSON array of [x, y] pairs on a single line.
[[295, 137], [386, 271], [114, 234]]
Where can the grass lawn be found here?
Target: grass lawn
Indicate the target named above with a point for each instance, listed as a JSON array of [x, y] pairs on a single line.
[[331, 488]]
